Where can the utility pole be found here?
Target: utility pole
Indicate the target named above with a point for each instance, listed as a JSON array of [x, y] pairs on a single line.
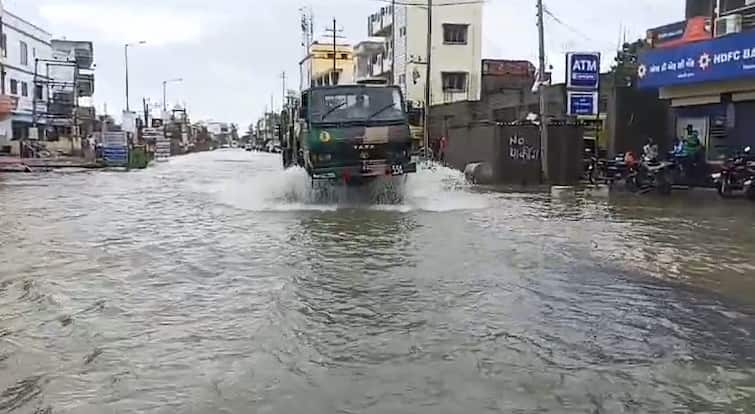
[[428, 73], [283, 77], [541, 93], [335, 32], [393, 42]]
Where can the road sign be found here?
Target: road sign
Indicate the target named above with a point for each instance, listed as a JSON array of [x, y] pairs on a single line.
[[583, 70], [582, 103], [115, 155]]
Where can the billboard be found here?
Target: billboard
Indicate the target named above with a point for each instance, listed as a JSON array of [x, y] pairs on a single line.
[[583, 70], [687, 31], [498, 67], [724, 58]]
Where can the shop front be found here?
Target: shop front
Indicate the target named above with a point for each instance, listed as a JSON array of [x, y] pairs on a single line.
[[711, 88]]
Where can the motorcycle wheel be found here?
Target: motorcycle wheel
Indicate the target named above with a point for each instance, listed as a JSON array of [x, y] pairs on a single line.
[[724, 188], [663, 184], [750, 192]]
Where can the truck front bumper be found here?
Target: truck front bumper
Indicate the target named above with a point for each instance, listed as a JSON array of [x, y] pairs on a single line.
[[363, 171]]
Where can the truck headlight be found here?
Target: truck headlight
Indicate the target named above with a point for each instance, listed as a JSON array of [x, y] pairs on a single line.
[[716, 176]]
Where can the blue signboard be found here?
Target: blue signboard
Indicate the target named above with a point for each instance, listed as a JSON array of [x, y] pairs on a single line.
[[582, 103], [115, 156], [583, 70], [725, 58]]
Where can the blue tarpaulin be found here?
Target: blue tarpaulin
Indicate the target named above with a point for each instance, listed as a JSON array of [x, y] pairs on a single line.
[[726, 58]]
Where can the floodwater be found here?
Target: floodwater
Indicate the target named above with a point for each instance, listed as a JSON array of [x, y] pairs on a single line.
[[218, 283]]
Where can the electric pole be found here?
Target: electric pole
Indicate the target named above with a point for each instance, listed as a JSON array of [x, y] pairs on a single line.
[[541, 92], [335, 32], [393, 42], [283, 77], [428, 73]]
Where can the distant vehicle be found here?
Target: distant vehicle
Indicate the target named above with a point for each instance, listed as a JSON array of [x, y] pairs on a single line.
[[350, 133], [224, 146], [248, 147]]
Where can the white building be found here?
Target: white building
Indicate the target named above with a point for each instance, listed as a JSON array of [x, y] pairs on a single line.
[[22, 43], [456, 50]]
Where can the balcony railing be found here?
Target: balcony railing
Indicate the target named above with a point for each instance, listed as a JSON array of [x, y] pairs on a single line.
[[380, 23]]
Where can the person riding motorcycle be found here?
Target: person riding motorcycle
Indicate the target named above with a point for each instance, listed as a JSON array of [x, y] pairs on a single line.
[[650, 150]]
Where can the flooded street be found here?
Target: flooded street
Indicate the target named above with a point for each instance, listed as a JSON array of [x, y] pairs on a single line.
[[217, 283]]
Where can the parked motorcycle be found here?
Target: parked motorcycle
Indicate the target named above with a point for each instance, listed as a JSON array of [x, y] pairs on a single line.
[[736, 175], [651, 174]]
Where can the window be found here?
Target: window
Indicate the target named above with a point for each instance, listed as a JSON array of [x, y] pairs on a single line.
[[39, 92], [402, 31], [24, 53], [24, 89], [344, 56], [455, 34], [4, 44], [14, 87], [454, 81]]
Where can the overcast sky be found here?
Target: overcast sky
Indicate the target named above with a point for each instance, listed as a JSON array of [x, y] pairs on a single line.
[[231, 52]]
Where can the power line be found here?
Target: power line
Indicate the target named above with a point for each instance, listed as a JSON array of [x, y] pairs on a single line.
[[424, 4]]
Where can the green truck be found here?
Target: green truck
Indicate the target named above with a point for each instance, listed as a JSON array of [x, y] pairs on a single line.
[[349, 133]]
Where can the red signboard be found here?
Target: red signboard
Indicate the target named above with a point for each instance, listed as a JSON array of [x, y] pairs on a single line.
[[520, 68], [679, 33]]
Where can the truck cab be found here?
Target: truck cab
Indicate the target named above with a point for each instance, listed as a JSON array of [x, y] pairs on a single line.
[[351, 133]]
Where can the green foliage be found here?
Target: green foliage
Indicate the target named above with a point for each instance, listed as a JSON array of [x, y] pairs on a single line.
[[625, 63]]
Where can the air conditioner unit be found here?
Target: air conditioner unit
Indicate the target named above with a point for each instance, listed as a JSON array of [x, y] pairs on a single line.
[[728, 24]]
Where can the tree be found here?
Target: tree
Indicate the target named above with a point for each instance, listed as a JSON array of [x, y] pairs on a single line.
[[626, 63]]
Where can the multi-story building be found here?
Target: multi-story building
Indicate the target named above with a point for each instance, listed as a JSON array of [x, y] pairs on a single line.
[[326, 64], [456, 50], [70, 89], [21, 44], [704, 66]]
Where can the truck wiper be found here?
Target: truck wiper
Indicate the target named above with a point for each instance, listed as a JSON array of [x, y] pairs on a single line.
[[381, 110], [331, 110]]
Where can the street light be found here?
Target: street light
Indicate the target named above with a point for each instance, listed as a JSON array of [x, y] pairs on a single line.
[[125, 52], [165, 91]]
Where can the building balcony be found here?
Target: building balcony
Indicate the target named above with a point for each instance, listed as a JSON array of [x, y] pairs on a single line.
[[380, 24], [381, 67], [85, 113], [84, 57], [85, 85]]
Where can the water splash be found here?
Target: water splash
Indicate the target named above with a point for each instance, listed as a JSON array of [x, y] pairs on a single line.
[[270, 188]]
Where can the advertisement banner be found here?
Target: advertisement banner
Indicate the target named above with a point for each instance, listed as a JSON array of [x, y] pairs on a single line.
[[583, 70], [725, 58], [582, 103], [693, 30]]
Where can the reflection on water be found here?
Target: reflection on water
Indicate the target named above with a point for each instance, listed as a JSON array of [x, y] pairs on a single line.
[[215, 283]]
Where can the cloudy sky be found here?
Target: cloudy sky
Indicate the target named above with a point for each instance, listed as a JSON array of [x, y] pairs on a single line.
[[231, 52]]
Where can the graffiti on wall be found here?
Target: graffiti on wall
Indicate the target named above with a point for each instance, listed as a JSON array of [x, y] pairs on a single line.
[[519, 149]]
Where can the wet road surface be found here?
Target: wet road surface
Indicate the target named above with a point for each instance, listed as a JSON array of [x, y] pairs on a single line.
[[219, 283]]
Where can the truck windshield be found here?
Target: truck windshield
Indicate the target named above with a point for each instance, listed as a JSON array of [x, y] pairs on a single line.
[[357, 104]]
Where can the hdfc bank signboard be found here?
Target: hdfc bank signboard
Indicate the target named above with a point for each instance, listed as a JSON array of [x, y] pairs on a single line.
[[726, 58]]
